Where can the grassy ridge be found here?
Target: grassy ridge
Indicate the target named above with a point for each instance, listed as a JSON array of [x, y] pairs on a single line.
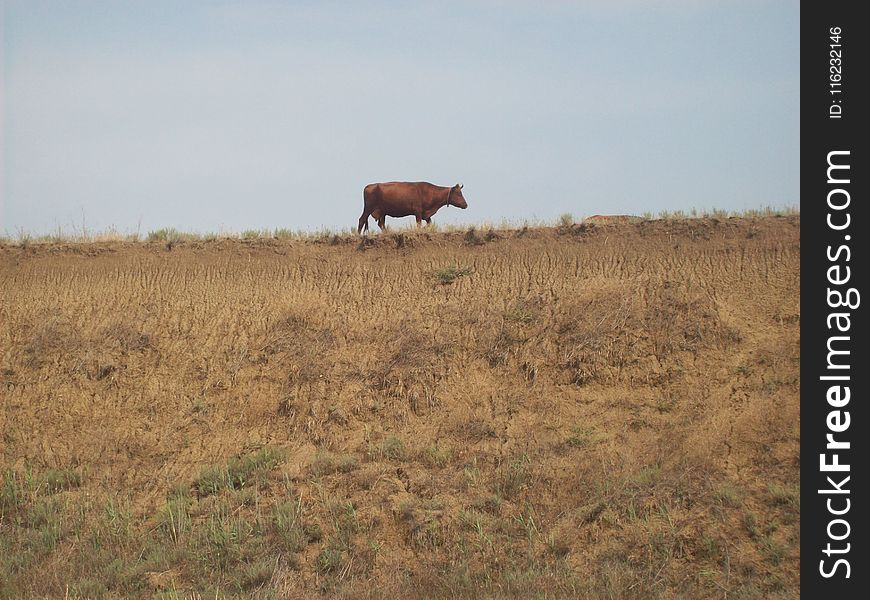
[[173, 235]]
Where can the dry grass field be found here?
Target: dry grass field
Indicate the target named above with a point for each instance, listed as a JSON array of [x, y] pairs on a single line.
[[587, 411]]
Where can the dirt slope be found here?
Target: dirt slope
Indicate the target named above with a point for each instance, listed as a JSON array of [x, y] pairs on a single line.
[[607, 410]]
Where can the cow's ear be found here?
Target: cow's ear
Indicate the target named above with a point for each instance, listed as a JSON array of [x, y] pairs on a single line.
[[460, 185]]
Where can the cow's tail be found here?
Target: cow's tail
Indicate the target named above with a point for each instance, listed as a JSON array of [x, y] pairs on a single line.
[[364, 219]]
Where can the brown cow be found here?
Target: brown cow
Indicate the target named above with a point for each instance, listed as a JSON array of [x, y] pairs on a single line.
[[403, 199]]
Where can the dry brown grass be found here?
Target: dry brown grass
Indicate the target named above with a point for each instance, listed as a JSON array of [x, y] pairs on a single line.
[[586, 411]]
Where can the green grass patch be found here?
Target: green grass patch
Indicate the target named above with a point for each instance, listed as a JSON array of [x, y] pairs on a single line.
[[12, 496], [512, 478], [524, 312], [646, 477], [118, 521], [55, 480], [580, 436], [728, 495], [327, 463], [167, 234], [344, 548], [174, 518], [391, 448], [787, 496], [239, 471], [288, 526], [435, 456], [451, 273], [253, 234]]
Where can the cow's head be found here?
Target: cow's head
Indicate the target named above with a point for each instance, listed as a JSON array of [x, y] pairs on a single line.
[[456, 198]]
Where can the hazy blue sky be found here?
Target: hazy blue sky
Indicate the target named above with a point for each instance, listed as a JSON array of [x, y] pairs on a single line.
[[216, 115]]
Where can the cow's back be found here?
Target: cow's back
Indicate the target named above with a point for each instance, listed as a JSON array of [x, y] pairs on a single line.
[[406, 189]]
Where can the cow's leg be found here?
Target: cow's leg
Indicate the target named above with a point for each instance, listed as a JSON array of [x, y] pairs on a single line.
[[363, 221], [419, 219], [380, 217], [428, 220]]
